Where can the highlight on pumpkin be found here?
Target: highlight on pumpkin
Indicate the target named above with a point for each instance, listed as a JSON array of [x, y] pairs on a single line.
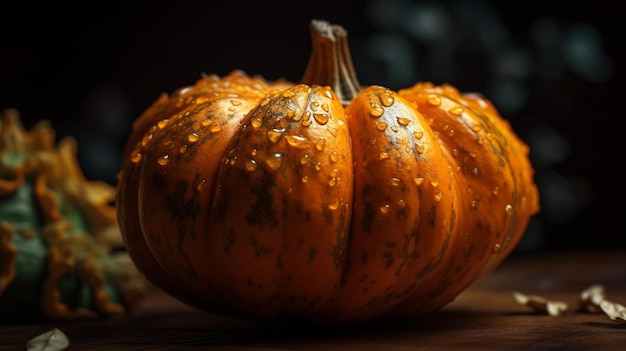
[[61, 252], [321, 200]]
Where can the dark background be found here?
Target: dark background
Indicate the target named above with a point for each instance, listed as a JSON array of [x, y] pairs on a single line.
[[555, 71]]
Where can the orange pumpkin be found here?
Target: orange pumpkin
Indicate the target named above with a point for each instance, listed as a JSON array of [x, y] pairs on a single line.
[[321, 201]]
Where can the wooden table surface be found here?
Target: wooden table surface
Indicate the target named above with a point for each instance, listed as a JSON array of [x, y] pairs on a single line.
[[485, 317]]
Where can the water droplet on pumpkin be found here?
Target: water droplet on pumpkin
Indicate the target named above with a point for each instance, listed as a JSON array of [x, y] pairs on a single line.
[[136, 157], [192, 137], [321, 118], [403, 121], [304, 179], [163, 160], [332, 182], [419, 134], [380, 125], [508, 209], [395, 181], [383, 156], [457, 111], [292, 114], [146, 139], [235, 102], [434, 100], [387, 100], [320, 144], [274, 161], [418, 180], [318, 166], [296, 141], [401, 203], [216, 128], [182, 149], [206, 122], [473, 152], [496, 190], [476, 128], [162, 123], [306, 122], [438, 196], [376, 111], [256, 122], [304, 159], [325, 107], [328, 93], [333, 206], [251, 165], [253, 152], [420, 148], [274, 135], [201, 99], [434, 182], [496, 248], [474, 203], [475, 171], [288, 94], [334, 156], [384, 209], [314, 104]]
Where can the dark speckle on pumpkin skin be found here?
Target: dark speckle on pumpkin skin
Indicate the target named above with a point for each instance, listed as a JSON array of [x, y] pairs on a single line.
[[183, 203], [262, 212], [311, 254]]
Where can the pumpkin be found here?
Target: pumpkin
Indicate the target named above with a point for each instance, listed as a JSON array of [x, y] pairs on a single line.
[[321, 201]]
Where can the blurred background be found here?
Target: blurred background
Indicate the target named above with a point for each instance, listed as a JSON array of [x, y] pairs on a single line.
[[556, 72]]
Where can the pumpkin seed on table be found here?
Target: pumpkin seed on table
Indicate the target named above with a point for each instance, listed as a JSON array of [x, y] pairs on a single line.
[[53, 340], [323, 200]]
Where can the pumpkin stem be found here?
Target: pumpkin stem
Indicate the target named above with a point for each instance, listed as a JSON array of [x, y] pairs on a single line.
[[330, 63]]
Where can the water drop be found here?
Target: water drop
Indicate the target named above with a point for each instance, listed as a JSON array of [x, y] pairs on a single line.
[[376, 111], [274, 135], [320, 144], [475, 171], [304, 159], [473, 152], [314, 104], [235, 102], [136, 157], [403, 121], [306, 122], [395, 181], [304, 179], [288, 94], [251, 165], [420, 148], [418, 180], [508, 209], [163, 160], [206, 122], [401, 203], [334, 156], [384, 209], [496, 190], [146, 139], [333, 206], [457, 111], [434, 182], [387, 100], [292, 114], [328, 93], [496, 248], [256, 122], [296, 141], [325, 107], [434, 100], [380, 125], [201, 99], [383, 156], [216, 128], [476, 128], [321, 118], [438, 196], [162, 123], [192, 137], [275, 161], [182, 149], [253, 152], [418, 135]]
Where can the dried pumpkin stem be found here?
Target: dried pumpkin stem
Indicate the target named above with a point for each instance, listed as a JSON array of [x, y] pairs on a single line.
[[330, 63]]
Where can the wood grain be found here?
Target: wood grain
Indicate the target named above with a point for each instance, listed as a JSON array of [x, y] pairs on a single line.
[[484, 317]]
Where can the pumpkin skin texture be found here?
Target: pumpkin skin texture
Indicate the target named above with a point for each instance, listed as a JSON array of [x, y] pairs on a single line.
[[321, 201]]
